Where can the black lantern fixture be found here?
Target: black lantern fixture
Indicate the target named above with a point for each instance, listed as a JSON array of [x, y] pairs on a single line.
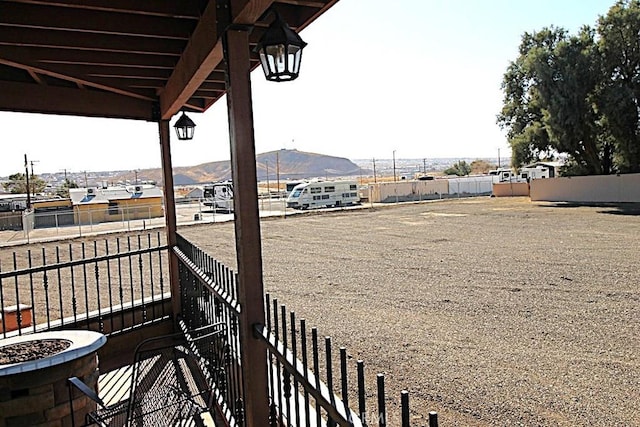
[[280, 50], [184, 127]]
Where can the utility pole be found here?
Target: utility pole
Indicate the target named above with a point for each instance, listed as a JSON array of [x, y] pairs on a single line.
[[424, 166], [266, 162], [394, 165], [498, 158], [278, 172], [374, 171], [86, 185], [26, 173], [33, 189]]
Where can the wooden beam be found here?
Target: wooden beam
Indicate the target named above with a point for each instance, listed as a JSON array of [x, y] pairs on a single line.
[[200, 57], [170, 214], [55, 55], [36, 77], [74, 79], [307, 3], [93, 21], [247, 227], [169, 8], [35, 98], [203, 53], [247, 12], [88, 71], [36, 37]]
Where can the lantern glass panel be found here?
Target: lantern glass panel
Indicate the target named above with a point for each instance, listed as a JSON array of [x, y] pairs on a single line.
[[294, 55], [185, 132]]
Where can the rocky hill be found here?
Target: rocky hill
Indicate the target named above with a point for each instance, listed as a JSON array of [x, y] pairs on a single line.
[[282, 164]]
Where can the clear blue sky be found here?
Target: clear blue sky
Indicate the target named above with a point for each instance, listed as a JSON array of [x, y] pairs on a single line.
[[421, 77]]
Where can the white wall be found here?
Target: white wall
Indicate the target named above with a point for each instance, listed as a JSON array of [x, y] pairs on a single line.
[[471, 185], [403, 191], [597, 188]]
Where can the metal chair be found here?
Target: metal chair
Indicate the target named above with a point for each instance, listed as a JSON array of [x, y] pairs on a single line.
[[168, 387], [210, 344]]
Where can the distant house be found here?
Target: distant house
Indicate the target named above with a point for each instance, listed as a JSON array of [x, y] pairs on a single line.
[[121, 203]]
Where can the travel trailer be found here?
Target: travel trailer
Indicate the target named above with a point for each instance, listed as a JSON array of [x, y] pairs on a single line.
[[219, 195], [503, 175], [536, 172], [320, 194]]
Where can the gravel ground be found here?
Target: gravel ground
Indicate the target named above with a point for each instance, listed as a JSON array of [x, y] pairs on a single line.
[[493, 312]]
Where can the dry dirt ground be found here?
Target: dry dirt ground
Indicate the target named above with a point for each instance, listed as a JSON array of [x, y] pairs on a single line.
[[493, 312]]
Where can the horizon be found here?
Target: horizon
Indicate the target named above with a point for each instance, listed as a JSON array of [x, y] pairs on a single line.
[[357, 161]]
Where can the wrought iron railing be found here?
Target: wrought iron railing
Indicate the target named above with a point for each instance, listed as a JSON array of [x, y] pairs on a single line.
[[301, 374], [208, 291], [304, 376], [118, 282]]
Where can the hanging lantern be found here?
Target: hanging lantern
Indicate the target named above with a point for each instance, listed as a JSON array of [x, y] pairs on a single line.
[[184, 127], [280, 50]]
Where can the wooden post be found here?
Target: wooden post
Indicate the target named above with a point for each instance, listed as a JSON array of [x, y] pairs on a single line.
[[170, 215], [247, 226]]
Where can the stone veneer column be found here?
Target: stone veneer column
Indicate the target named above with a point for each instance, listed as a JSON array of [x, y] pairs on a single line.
[[41, 398]]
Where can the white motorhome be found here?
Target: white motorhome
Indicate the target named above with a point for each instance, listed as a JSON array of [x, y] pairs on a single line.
[[219, 195], [320, 194]]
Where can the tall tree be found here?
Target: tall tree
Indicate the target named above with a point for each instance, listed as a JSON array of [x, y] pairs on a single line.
[[619, 97], [63, 190], [17, 184], [568, 76], [522, 114], [548, 105]]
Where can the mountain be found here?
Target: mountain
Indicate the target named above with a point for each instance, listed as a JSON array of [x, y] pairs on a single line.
[[282, 164]]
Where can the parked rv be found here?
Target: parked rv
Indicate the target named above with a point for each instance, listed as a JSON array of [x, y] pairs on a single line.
[[290, 185], [219, 196], [537, 172], [320, 194], [503, 175]]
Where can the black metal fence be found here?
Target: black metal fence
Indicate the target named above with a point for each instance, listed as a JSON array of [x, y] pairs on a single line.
[[301, 372], [208, 292], [120, 281]]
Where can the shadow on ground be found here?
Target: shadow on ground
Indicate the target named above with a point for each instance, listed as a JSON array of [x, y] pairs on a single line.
[[607, 208]]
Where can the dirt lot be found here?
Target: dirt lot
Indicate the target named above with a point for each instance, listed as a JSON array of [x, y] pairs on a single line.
[[493, 312]]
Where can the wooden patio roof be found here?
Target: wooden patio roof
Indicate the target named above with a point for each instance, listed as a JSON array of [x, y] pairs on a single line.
[[144, 60]]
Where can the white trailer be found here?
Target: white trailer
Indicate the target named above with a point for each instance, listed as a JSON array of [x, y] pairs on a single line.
[[537, 172], [219, 195], [320, 194], [503, 175]]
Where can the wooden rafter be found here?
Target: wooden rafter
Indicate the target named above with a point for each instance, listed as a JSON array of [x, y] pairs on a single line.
[[167, 52]]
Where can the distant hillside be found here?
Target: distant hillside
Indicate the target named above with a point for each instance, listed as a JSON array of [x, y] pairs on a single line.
[[287, 164]]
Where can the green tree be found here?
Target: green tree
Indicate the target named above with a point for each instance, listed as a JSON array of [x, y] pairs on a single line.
[[63, 190], [548, 104], [460, 168], [17, 184], [522, 114], [619, 95], [577, 95]]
